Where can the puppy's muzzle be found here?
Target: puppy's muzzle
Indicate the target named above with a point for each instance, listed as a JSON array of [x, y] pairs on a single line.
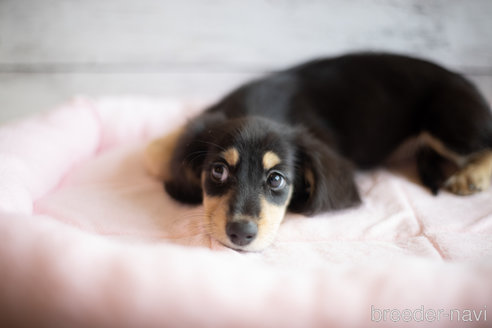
[[242, 232]]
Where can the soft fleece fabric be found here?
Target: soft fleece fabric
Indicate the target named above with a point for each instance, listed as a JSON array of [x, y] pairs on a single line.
[[88, 239]]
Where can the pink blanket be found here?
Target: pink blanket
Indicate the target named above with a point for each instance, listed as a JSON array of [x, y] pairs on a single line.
[[88, 239]]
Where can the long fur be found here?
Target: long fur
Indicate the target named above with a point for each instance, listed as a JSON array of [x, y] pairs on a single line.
[[323, 118]]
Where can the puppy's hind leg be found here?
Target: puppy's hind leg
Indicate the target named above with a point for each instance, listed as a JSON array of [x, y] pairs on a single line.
[[474, 176], [458, 125]]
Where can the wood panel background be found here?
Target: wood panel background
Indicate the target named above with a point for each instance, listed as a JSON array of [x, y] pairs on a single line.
[[51, 50]]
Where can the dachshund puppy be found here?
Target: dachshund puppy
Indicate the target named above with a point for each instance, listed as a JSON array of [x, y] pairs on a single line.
[[290, 141]]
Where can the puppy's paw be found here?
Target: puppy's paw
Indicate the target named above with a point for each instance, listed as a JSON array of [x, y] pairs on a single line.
[[472, 178]]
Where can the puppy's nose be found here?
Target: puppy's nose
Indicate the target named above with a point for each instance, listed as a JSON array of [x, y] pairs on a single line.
[[242, 232]]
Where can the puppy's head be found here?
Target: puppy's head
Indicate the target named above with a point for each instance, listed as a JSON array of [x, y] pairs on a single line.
[[250, 171], [247, 181]]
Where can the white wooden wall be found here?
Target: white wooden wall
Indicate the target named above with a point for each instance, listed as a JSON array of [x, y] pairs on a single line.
[[53, 49]]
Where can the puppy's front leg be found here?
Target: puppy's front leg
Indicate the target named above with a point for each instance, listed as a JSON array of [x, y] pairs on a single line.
[[158, 155]]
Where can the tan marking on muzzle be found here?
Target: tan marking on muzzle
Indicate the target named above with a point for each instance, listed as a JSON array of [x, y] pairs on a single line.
[[215, 208], [269, 220], [270, 159], [216, 214], [268, 223], [271, 216]]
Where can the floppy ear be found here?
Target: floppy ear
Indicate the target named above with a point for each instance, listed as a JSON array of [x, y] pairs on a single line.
[[324, 180], [183, 182]]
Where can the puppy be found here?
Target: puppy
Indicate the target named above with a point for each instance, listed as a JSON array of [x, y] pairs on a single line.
[[289, 141]]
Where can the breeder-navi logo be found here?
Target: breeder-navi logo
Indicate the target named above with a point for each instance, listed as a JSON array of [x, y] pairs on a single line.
[[423, 314]]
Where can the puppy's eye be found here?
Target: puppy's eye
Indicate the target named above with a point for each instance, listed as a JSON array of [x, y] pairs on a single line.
[[219, 172], [276, 181]]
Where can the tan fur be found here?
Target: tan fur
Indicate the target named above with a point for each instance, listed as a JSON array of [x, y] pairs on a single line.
[[216, 214], [215, 209], [231, 156], [475, 170], [439, 147], [474, 176], [270, 159], [271, 216], [158, 154], [309, 176]]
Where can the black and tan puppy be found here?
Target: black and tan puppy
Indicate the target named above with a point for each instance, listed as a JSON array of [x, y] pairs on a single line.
[[288, 141]]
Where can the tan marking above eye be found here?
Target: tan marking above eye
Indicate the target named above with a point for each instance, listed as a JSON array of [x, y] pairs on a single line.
[[231, 156], [270, 159]]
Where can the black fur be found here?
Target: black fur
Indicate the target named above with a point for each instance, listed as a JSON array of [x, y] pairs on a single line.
[[324, 116], [430, 168]]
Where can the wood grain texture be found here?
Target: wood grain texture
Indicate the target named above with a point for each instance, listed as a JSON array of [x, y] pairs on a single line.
[[51, 50], [119, 35]]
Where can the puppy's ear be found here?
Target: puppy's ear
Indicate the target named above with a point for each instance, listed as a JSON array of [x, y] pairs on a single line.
[[190, 151], [324, 180]]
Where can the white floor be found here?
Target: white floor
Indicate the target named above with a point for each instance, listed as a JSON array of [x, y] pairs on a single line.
[[27, 93], [24, 94]]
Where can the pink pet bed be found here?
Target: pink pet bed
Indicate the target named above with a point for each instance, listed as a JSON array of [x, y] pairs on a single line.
[[89, 239]]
